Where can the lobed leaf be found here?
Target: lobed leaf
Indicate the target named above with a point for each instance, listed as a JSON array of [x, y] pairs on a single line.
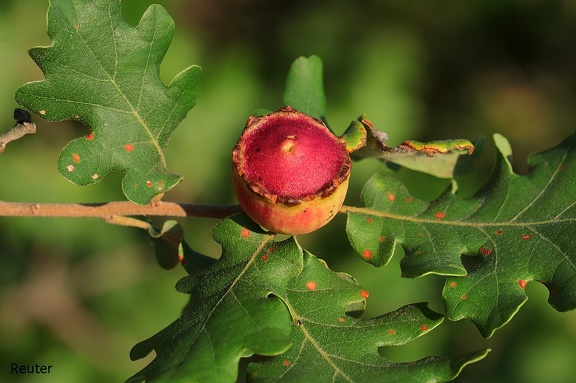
[[517, 229], [331, 344], [231, 313], [270, 298], [105, 73]]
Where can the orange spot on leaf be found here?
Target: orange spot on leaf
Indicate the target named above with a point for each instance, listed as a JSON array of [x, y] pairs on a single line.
[[453, 284], [89, 136], [271, 249], [264, 257], [499, 231], [440, 215], [464, 297], [367, 254], [391, 197], [76, 157], [149, 183], [311, 285], [382, 238], [526, 237], [369, 220], [341, 320], [424, 327], [286, 363], [408, 199], [391, 331], [245, 233], [485, 251], [365, 294], [560, 167], [522, 283], [129, 147]]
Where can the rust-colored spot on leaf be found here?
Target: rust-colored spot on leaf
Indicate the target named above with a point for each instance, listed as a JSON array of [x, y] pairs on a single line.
[[264, 257], [485, 251], [499, 231], [453, 284], [369, 220], [560, 167], [129, 147], [391, 197], [286, 363], [464, 297], [382, 238], [391, 331], [365, 294], [526, 237], [271, 249], [311, 285], [366, 254], [424, 327], [341, 320], [440, 215], [408, 199], [76, 157], [522, 283], [149, 183], [245, 233], [89, 136]]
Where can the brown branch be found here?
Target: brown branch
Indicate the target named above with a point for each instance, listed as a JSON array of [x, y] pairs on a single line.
[[121, 220], [108, 210], [17, 131]]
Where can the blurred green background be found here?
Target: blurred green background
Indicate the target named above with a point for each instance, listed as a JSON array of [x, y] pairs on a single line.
[[78, 294]]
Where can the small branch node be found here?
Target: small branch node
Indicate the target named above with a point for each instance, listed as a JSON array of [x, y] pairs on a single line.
[[23, 127]]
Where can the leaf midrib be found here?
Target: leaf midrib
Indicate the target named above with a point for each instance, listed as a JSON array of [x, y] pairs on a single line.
[[112, 80], [381, 214]]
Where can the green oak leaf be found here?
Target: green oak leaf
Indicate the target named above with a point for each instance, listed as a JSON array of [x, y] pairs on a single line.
[[232, 313], [105, 73], [516, 229], [269, 297], [331, 345], [305, 87]]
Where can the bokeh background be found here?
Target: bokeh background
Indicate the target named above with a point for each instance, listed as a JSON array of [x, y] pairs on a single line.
[[78, 294]]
